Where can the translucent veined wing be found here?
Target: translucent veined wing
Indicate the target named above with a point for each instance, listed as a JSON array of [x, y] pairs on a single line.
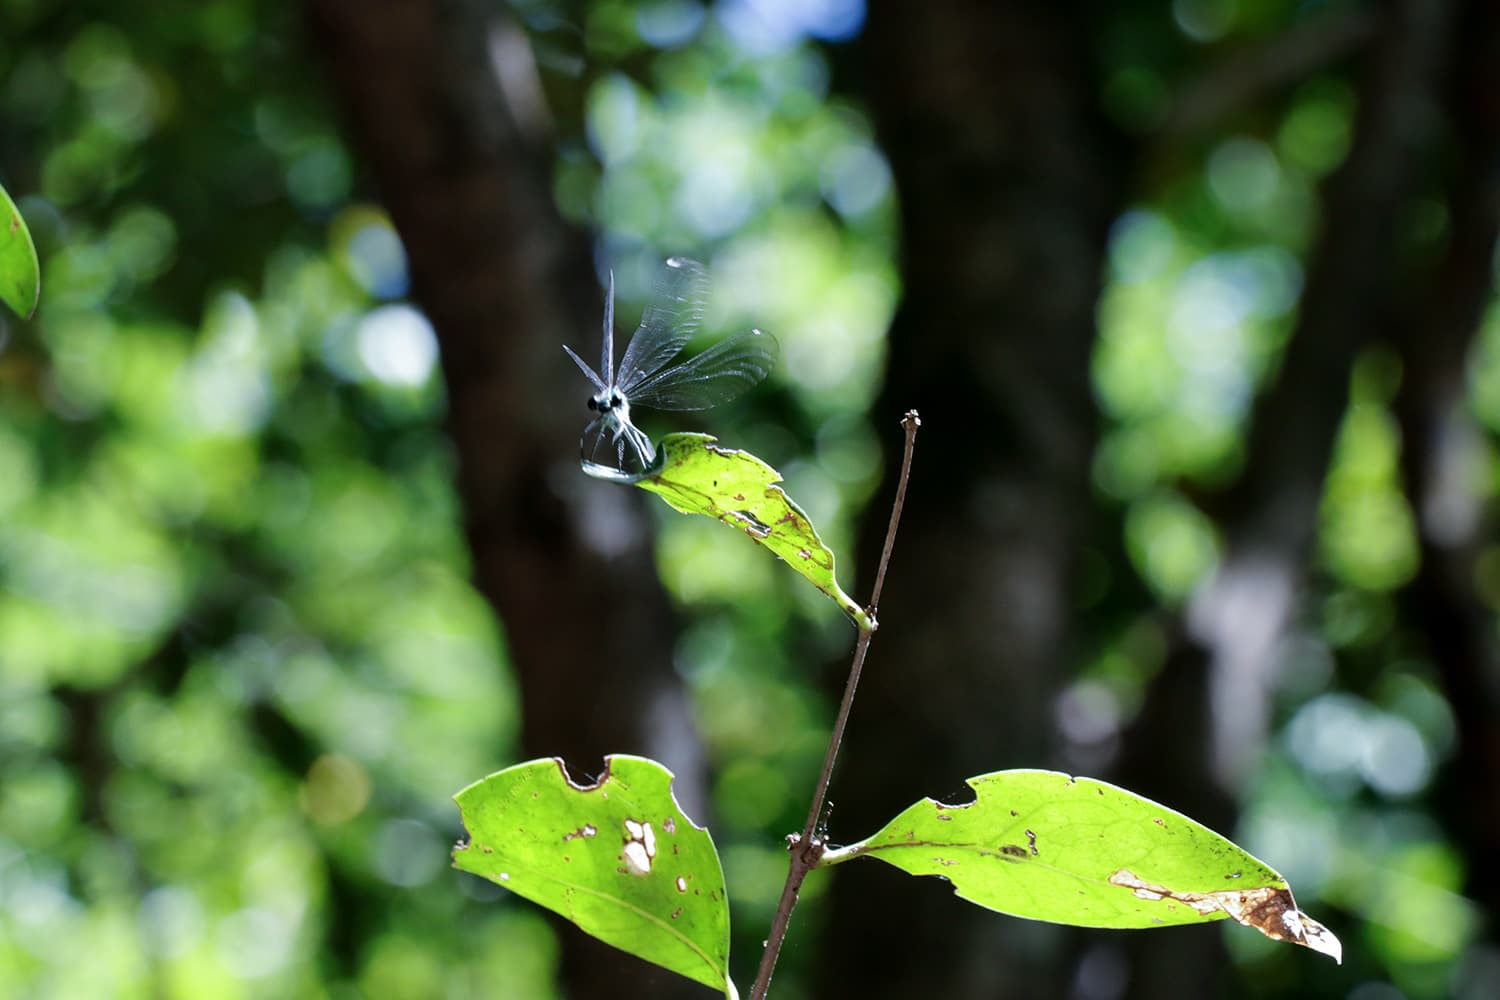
[[718, 375], [607, 352], [598, 382], [667, 325], [607, 355]]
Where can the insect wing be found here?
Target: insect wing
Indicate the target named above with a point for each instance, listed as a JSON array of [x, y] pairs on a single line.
[[668, 323], [722, 373], [598, 382]]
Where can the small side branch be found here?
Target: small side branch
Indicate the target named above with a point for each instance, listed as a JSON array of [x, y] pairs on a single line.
[[807, 848]]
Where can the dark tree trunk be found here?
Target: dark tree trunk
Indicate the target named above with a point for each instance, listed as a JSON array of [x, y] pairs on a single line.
[[1441, 448], [1007, 182], [442, 99]]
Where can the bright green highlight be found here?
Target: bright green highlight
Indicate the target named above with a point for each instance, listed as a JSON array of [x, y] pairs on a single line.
[[698, 477], [618, 858], [1047, 846], [20, 274]]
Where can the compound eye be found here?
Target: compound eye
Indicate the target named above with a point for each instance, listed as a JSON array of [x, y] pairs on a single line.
[[593, 403]]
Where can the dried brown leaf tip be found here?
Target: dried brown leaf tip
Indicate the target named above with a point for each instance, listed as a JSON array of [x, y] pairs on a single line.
[[1268, 909]]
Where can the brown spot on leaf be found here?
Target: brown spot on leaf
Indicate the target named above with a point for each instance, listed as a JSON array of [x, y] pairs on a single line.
[[1268, 909], [1031, 840], [753, 526], [1013, 850]]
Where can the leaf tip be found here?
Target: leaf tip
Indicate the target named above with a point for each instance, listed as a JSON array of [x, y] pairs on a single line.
[[1268, 909], [1306, 931]]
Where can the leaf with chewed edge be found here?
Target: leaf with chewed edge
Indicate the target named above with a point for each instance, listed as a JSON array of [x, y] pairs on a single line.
[[698, 477], [618, 858], [1046, 846]]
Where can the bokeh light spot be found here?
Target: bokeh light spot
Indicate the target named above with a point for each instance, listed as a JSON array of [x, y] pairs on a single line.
[[336, 790]]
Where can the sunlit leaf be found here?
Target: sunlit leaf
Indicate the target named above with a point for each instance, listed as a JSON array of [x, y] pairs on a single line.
[[20, 275], [618, 858], [1046, 846], [699, 477]]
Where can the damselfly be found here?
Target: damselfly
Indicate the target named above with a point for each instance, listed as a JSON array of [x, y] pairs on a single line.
[[647, 378]]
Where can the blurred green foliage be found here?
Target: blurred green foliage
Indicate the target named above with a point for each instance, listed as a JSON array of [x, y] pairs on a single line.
[[241, 667], [1203, 285]]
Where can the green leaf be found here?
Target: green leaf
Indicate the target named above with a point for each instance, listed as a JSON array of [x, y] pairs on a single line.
[[20, 275], [699, 477], [618, 858], [1046, 846]]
